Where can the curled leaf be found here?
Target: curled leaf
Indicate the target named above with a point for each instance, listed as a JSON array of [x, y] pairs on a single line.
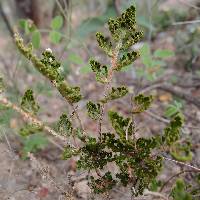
[[115, 93], [28, 102], [100, 70], [104, 44], [94, 110], [65, 126]]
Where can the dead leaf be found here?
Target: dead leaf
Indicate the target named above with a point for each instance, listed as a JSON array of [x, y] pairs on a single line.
[[166, 97]]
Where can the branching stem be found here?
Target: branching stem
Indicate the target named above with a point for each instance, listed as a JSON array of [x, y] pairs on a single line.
[[32, 119], [108, 84]]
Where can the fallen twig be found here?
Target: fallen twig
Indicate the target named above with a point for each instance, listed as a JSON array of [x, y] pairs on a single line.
[[183, 164], [172, 177], [166, 121], [174, 90]]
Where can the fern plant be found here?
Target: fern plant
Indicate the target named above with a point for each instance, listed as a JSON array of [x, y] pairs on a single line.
[[138, 160]]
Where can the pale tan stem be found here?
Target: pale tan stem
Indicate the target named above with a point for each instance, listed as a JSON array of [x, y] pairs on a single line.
[[32, 119], [182, 163], [108, 84]]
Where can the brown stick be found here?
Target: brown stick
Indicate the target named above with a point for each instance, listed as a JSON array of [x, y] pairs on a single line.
[[183, 164], [6, 21], [172, 177], [174, 90]]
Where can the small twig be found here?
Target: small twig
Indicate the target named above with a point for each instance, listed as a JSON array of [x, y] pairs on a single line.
[[45, 173], [5, 18], [157, 117], [129, 123], [186, 22], [172, 177], [173, 90], [98, 172], [149, 10], [182, 163], [32, 119], [156, 194], [56, 144], [166, 121], [189, 4], [78, 118], [196, 195], [108, 84], [149, 88]]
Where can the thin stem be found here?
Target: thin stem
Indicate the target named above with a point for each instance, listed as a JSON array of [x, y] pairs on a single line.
[[186, 22], [166, 121], [189, 4], [129, 123], [156, 194], [32, 119], [78, 118], [108, 84], [172, 177], [183, 164]]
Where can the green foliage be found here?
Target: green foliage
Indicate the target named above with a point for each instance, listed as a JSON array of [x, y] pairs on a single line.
[[138, 158], [127, 59], [57, 22], [163, 53], [55, 36], [33, 143], [6, 115], [69, 152], [126, 154], [103, 184], [173, 109], [100, 71], [36, 39], [49, 67], [94, 110], [190, 37], [92, 24], [75, 59], [182, 151], [155, 184], [64, 126], [28, 102], [121, 26], [172, 131], [115, 93], [179, 191], [27, 25], [30, 29], [104, 44], [120, 124], [29, 129], [93, 155], [124, 33], [142, 103], [153, 63], [2, 86]]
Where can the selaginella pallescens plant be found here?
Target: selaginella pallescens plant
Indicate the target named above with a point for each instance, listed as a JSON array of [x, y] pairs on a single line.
[[137, 160]]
